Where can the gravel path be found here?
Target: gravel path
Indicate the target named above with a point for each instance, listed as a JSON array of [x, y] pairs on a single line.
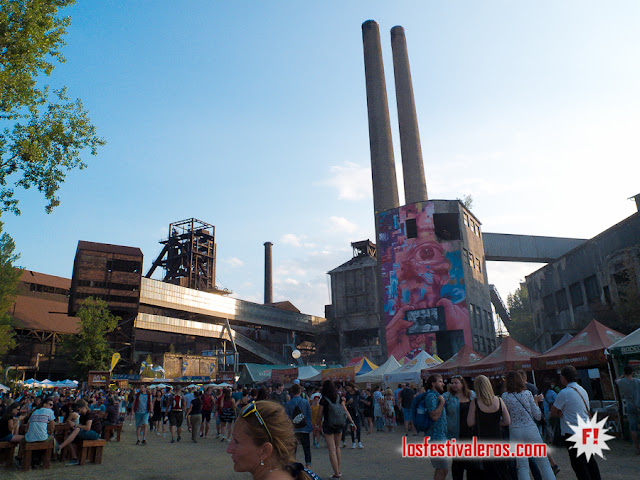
[[380, 459]]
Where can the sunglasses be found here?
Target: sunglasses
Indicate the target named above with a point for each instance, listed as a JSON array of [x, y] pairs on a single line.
[[251, 408]]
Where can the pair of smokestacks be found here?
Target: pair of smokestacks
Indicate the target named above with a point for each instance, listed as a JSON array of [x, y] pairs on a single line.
[[383, 172]]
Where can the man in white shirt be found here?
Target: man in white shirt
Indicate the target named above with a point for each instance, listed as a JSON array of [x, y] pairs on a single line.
[[572, 402]]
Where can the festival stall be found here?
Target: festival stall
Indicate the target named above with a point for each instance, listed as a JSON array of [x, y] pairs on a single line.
[[306, 372], [340, 375], [377, 375], [585, 351], [258, 373], [464, 357], [410, 371], [626, 351], [510, 355], [362, 365]]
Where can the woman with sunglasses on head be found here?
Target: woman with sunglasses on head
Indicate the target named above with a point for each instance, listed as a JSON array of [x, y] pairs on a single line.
[[263, 444], [456, 405]]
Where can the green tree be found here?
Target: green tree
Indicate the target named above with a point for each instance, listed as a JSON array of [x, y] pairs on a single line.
[[9, 278], [521, 328], [90, 349], [41, 135], [467, 201]]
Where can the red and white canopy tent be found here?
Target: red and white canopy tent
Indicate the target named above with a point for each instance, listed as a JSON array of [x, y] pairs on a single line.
[[585, 349], [464, 357], [510, 355]]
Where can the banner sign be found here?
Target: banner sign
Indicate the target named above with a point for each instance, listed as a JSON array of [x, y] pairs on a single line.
[[285, 376], [345, 374]]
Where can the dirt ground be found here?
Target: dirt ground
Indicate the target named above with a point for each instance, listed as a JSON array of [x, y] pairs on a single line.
[[380, 459]]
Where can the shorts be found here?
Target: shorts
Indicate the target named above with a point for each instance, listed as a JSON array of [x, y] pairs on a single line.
[[175, 418], [7, 438], [327, 430], [156, 417], [88, 435], [142, 419], [633, 419], [206, 416], [406, 412], [441, 463]]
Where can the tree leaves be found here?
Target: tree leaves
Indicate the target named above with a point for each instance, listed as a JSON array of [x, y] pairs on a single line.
[[90, 349], [41, 138], [9, 279]]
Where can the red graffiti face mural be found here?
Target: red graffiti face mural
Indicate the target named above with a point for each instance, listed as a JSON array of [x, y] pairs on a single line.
[[423, 282]]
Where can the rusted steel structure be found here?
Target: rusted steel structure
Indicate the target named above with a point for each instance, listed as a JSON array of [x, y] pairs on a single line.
[[188, 256]]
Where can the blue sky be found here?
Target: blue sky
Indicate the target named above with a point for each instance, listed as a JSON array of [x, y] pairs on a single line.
[[252, 116]]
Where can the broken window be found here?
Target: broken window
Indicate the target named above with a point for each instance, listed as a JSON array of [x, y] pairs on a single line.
[[575, 290], [561, 300], [592, 290], [411, 228], [447, 226]]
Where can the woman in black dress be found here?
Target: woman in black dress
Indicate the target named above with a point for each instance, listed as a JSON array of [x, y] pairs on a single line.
[[488, 414]]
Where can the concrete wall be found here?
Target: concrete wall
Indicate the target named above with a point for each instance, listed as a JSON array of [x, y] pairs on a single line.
[[581, 285]]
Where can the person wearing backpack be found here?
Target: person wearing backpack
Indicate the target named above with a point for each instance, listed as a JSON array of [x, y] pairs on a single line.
[[334, 415], [299, 411]]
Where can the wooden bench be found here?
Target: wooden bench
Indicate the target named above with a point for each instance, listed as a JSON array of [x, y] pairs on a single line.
[[26, 449], [7, 452], [108, 429], [91, 449]]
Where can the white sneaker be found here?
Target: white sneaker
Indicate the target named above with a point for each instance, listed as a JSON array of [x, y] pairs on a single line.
[[353, 445], [342, 445], [360, 445], [222, 439]]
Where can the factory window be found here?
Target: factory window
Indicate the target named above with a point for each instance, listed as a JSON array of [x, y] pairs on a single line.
[[576, 294], [591, 288], [549, 306], [465, 219], [476, 343], [561, 300], [472, 315], [478, 265], [470, 259], [124, 266], [411, 228], [447, 226]]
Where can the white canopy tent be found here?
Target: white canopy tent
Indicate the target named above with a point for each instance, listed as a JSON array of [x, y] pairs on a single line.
[[4, 388], [377, 375], [306, 372], [410, 371]]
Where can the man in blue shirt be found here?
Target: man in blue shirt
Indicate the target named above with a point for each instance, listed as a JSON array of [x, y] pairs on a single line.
[[438, 430], [304, 428]]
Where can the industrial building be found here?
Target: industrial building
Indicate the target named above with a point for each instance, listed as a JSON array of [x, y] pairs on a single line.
[[587, 283], [158, 316]]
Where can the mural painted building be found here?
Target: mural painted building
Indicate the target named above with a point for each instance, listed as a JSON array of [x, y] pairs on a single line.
[[435, 294]]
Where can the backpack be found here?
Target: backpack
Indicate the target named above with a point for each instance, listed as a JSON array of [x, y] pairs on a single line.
[[166, 400], [336, 416], [297, 417], [421, 418]]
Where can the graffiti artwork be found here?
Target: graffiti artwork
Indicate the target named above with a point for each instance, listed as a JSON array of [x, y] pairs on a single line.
[[423, 282]]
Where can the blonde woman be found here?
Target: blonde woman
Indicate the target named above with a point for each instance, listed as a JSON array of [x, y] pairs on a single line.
[[488, 414], [389, 410]]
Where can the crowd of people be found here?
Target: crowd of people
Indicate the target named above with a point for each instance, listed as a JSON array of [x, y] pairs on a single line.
[[264, 426]]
